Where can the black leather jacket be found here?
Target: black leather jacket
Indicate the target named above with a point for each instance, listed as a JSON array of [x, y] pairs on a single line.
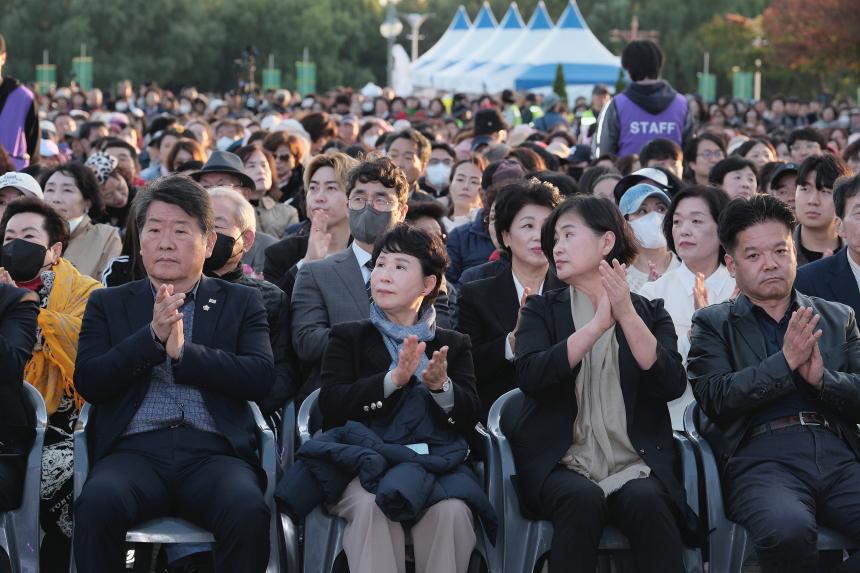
[[733, 377]]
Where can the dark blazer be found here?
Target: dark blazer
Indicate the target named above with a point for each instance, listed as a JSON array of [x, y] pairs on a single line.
[[732, 376], [229, 358], [280, 259], [468, 246], [356, 362], [487, 313], [17, 339], [830, 278], [544, 431], [485, 271]]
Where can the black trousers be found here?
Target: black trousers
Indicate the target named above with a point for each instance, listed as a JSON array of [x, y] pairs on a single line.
[[781, 485], [12, 470], [579, 511], [183, 472]]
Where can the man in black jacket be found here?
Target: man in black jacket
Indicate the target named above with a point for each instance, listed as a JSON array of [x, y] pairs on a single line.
[[776, 373], [169, 363]]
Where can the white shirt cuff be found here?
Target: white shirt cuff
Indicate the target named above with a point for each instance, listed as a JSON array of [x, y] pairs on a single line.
[[388, 385], [445, 400], [509, 352]]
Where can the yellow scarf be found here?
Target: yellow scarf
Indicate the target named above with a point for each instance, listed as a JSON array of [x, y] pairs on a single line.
[[51, 369]]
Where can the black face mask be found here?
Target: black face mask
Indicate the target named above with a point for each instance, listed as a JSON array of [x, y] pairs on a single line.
[[575, 172], [23, 259], [221, 253]]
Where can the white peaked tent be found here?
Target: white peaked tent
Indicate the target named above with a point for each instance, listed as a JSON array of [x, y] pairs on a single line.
[[458, 28], [573, 45], [483, 28], [489, 59], [509, 31], [508, 61]]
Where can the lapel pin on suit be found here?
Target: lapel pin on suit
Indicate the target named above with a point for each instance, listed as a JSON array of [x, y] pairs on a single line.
[[206, 307]]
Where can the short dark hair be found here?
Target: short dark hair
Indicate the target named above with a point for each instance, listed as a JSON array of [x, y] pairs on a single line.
[[408, 239], [85, 181], [54, 224], [741, 214], [432, 209], [844, 189], [827, 167], [444, 147], [179, 190], [513, 197], [590, 176], [747, 146], [528, 158], [380, 169], [714, 197], [851, 151], [601, 215], [87, 128], [422, 144], [565, 184], [806, 134], [318, 125], [725, 166], [643, 59], [659, 150], [108, 142]]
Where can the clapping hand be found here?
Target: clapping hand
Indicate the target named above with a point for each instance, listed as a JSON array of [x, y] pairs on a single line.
[[165, 313], [614, 280], [436, 372], [512, 337], [700, 292], [801, 337], [408, 361], [812, 371], [6, 278]]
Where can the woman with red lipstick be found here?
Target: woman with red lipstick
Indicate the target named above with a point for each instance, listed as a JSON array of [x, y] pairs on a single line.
[[597, 363], [690, 228], [489, 308]]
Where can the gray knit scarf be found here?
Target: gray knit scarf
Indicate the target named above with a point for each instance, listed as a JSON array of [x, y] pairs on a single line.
[[395, 334]]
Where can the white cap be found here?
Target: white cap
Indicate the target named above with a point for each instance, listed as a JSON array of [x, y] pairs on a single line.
[[23, 183], [48, 148], [270, 121]]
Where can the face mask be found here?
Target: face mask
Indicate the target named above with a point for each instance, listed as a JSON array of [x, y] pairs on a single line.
[[222, 252], [369, 224], [649, 230], [224, 142], [438, 175], [367, 107], [121, 106], [370, 141], [184, 108], [23, 259]]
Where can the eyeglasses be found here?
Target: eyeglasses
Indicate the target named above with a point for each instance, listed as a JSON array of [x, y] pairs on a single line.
[[435, 161], [285, 157], [805, 146], [379, 203], [711, 154]]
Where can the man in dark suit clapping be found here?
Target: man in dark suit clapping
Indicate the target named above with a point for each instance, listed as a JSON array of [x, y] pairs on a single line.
[[169, 363]]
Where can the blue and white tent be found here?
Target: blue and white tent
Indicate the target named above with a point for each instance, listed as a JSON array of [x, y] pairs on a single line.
[[483, 29], [523, 58], [435, 56], [509, 31]]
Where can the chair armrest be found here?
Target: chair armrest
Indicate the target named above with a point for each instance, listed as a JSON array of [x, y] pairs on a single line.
[[288, 435], [304, 420], [81, 452], [689, 470], [268, 450]]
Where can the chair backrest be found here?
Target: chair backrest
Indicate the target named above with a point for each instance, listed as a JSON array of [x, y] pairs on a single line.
[[504, 412], [310, 418], [35, 399]]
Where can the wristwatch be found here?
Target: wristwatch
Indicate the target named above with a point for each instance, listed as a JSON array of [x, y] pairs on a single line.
[[445, 387]]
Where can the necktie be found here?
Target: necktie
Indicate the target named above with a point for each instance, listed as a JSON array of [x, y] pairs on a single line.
[[369, 266]]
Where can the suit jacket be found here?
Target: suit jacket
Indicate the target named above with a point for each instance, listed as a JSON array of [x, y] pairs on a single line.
[[281, 257], [486, 270], [229, 358], [544, 431], [830, 278], [488, 312], [732, 376], [92, 246], [329, 292], [356, 362], [17, 339]]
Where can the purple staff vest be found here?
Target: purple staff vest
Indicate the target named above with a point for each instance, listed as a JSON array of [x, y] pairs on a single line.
[[13, 117], [638, 127]]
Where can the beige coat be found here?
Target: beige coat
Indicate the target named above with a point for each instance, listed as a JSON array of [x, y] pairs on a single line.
[[273, 218], [91, 246]]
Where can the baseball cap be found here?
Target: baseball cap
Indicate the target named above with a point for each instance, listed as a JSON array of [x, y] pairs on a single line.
[[23, 183], [648, 175], [780, 170], [634, 196]]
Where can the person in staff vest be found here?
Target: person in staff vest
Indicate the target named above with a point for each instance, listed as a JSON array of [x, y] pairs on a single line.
[[648, 109]]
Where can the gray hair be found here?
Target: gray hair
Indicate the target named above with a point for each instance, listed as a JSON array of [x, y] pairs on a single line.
[[244, 211]]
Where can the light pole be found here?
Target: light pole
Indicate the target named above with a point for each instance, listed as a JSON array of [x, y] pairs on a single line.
[[390, 29], [415, 21]]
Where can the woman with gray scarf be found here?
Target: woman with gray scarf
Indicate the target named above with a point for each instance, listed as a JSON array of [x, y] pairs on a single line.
[[373, 367]]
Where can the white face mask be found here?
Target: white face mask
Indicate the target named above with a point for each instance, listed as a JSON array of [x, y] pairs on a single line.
[[224, 142], [121, 106], [649, 230], [438, 175], [184, 108]]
